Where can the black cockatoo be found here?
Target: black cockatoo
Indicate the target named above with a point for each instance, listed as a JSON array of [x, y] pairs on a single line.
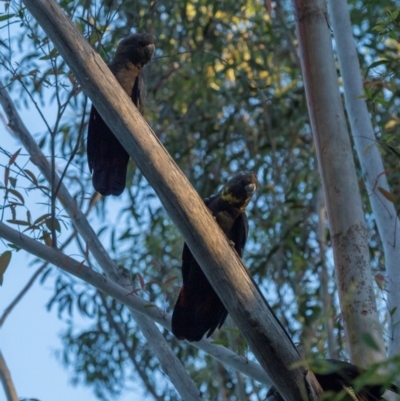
[[199, 310], [107, 158]]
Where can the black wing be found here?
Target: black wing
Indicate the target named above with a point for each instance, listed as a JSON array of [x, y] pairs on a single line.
[[239, 233], [138, 93], [198, 309], [108, 159]]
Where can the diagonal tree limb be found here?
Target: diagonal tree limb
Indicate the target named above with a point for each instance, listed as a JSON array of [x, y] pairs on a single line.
[[128, 298], [5, 378], [122, 338], [267, 339]]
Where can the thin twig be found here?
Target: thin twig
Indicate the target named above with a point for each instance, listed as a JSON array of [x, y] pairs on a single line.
[[21, 294], [76, 147], [290, 39]]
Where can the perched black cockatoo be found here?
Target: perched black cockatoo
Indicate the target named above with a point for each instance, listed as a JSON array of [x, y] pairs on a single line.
[[336, 376], [198, 309], [107, 158]]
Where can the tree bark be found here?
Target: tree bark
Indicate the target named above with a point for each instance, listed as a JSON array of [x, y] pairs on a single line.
[[370, 160], [342, 197], [222, 266], [5, 378], [326, 299]]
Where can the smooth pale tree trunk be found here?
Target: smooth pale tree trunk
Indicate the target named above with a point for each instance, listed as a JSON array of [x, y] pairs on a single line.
[[370, 160], [222, 266], [339, 180]]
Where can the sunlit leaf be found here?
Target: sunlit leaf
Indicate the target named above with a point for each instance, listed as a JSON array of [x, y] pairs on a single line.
[[47, 238], [13, 181], [14, 157], [49, 223], [16, 194], [141, 281], [6, 176], [5, 17], [31, 176], [41, 218], [19, 222], [370, 341], [5, 259], [53, 53], [390, 197]]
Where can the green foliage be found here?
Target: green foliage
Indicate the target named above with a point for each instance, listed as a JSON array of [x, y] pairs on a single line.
[[5, 259], [224, 93]]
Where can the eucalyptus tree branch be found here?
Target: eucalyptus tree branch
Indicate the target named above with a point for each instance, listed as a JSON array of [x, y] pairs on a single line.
[[370, 160], [128, 298], [5, 378], [342, 197], [122, 338], [226, 272]]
